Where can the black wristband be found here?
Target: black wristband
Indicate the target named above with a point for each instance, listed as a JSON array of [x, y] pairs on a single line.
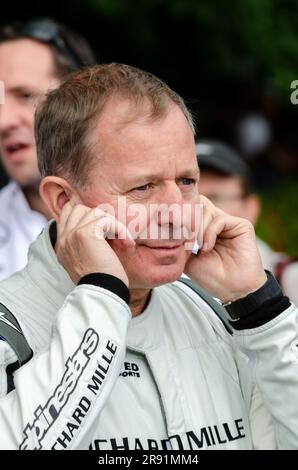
[[267, 312], [109, 282], [247, 305]]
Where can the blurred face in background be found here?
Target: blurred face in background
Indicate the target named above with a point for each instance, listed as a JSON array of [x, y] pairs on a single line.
[[27, 71], [227, 192]]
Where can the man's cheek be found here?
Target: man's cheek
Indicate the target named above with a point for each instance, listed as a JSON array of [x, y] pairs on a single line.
[[138, 223]]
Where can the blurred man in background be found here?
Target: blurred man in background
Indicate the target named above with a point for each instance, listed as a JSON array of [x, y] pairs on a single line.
[[226, 180], [34, 57]]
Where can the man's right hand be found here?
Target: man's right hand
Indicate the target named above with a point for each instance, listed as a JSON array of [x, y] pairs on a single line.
[[82, 247]]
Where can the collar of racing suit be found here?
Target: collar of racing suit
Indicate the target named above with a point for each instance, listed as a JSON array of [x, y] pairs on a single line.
[[44, 268]]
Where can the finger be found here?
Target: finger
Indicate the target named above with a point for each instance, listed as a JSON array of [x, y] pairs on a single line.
[[193, 233], [225, 227], [210, 213], [109, 227], [90, 216], [214, 228], [104, 225], [75, 217], [208, 216], [210, 208], [207, 203], [65, 212]]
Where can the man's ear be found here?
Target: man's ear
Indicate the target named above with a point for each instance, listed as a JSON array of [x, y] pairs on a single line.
[[55, 192]]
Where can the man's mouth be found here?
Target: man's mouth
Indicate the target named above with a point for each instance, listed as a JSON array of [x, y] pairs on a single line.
[[170, 246], [15, 150]]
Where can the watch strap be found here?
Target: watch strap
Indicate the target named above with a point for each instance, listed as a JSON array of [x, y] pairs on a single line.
[[245, 306]]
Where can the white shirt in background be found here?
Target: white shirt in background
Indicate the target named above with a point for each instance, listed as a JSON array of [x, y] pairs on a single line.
[[19, 227]]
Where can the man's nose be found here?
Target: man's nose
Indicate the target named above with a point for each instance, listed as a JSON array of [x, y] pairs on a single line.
[[171, 194], [171, 205]]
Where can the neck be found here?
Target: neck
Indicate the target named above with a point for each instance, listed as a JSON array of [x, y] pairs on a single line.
[[138, 300], [35, 202]]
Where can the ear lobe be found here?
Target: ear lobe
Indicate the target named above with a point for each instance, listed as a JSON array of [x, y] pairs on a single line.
[[55, 192]]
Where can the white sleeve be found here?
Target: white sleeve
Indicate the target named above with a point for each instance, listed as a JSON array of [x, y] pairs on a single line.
[[59, 393], [273, 350]]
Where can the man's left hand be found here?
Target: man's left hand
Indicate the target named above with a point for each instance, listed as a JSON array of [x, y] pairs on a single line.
[[228, 265]]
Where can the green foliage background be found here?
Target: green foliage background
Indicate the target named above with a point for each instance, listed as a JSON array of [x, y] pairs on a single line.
[[234, 37], [278, 224]]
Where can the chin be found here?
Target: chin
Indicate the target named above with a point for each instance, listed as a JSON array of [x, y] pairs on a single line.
[[29, 182], [156, 277], [24, 174]]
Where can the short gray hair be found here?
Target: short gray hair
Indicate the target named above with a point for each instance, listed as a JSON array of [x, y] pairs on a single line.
[[64, 121]]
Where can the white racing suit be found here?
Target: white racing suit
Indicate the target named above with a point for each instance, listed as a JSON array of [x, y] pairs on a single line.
[[171, 378]]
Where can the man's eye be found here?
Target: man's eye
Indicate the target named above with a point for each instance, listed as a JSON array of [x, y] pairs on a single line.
[[143, 188], [26, 95], [186, 181]]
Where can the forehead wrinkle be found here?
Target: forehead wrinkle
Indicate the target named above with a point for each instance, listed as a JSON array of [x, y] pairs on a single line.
[[132, 152]]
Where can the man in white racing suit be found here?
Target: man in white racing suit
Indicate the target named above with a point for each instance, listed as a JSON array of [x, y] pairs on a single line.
[[152, 366]]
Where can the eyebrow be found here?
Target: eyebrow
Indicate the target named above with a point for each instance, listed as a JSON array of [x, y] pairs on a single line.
[[22, 88], [157, 176]]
